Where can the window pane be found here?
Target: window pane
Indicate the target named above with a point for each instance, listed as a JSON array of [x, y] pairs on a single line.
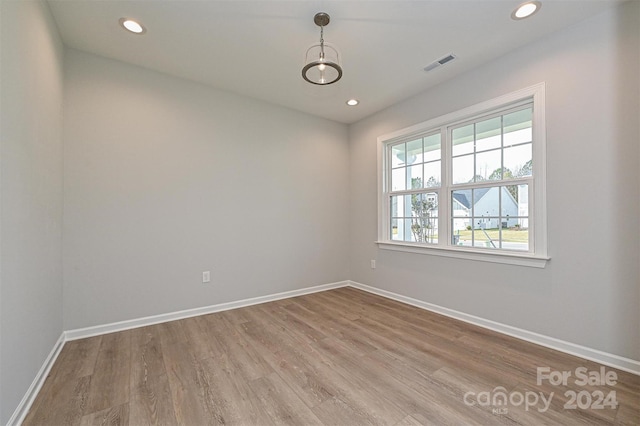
[[414, 177], [515, 238], [462, 238], [515, 232], [408, 208], [401, 230], [425, 204], [486, 202], [461, 202], [500, 217], [397, 206], [398, 155], [407, 235], [414, 217], [432, 174], [463, 140], [398, 179], [462, 169], [424, 212], [488, 134], [517, 127], [425, 231], [488, 165], [506, 229], [414, 152], [461, 233], [486, 238], [523, 204], [518, 159], [395, 235], [517, 137], [432, 147], [509, 204]]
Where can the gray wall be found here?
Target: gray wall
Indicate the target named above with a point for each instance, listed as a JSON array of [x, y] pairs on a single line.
[[164, 179], [31, 191], [589, 292]]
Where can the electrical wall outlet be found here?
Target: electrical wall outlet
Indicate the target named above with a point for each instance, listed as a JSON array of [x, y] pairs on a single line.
[[373, 264], [206, 276]]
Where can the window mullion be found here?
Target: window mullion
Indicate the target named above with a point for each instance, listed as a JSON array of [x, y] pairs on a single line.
[[532, 219], [500, 191], [385, 225], [444, 196], [502, 168]]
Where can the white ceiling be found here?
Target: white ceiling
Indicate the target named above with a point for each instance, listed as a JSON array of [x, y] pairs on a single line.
[[256, 48]]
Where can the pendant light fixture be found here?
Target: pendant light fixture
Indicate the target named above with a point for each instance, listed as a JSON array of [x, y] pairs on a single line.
[[322, 62]]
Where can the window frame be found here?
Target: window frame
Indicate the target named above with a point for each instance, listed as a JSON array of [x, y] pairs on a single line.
[[537, 255]]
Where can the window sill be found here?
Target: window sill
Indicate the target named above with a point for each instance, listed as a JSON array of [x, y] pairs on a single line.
[[520, 259]]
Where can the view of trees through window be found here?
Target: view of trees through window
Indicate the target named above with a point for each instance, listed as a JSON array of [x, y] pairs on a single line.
[[416, 166], [491, 168]]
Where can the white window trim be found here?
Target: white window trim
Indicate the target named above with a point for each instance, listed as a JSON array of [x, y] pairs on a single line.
[[539, 256]]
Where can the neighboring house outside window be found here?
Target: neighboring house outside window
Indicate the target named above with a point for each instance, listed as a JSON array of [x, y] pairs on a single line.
[[470, 184]]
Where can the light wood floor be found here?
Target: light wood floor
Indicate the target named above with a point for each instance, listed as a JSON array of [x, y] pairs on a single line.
[[341, 357]]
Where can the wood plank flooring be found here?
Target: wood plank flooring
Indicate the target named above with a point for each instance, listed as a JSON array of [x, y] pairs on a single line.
[[340, 357]]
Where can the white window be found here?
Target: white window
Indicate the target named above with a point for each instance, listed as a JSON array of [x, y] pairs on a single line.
[[470, 184]]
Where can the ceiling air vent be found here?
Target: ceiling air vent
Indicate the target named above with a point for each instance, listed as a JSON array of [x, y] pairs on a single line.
[[435, 64]]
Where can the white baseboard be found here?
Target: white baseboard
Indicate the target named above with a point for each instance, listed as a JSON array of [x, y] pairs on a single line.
[[97, 330], [622, 363], [604, 358], [23, 408]]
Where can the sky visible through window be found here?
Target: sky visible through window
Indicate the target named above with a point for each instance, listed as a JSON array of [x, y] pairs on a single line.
[[491, 149]]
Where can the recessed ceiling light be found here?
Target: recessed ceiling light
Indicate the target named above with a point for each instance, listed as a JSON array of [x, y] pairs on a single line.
[[132, 26], [526, 9], [353, 102]]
